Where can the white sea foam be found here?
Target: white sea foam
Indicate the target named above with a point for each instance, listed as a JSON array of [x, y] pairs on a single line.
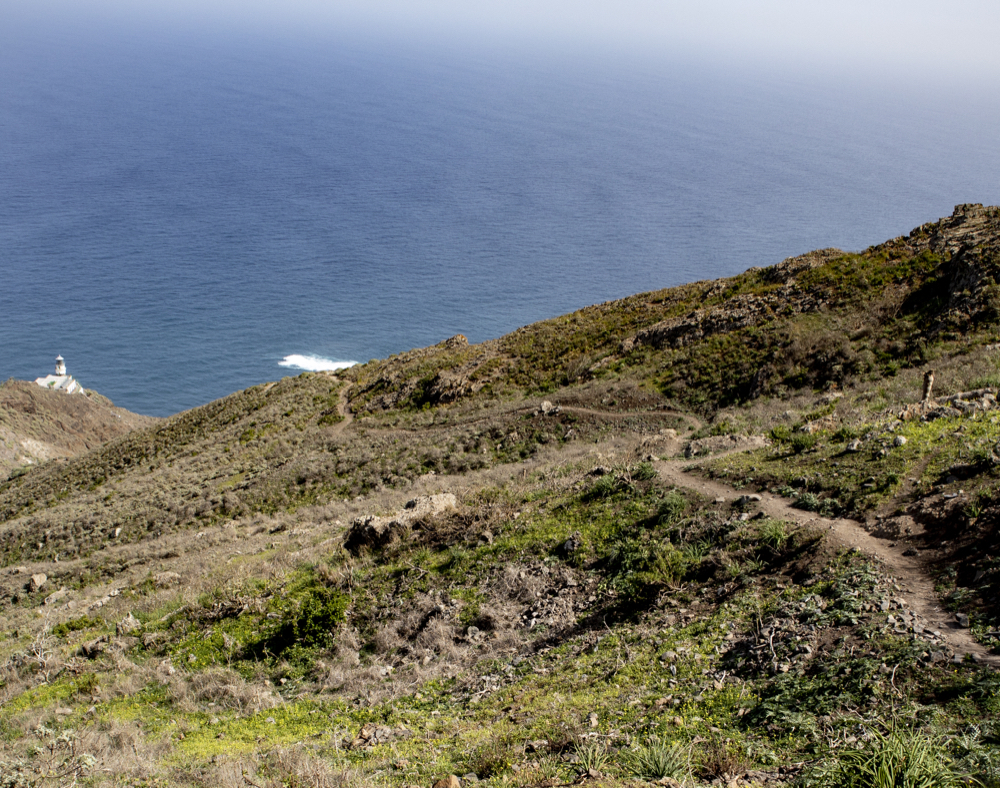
[[314, 363]]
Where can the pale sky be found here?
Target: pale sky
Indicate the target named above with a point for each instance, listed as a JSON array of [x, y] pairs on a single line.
[[953, 36]]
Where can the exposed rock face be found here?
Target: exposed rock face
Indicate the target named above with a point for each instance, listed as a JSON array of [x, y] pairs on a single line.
[[372, 532], [665, 444], [449, 386], [740, 311], [967, 402], [968, 239], [395, 385]]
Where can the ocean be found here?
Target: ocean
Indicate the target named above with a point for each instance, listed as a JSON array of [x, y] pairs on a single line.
[[183, 216]]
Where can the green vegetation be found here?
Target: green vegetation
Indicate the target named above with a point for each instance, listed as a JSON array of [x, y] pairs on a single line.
[[587, 612]]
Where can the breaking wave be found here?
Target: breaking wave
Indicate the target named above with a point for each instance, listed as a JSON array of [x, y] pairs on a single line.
[[314, 363]]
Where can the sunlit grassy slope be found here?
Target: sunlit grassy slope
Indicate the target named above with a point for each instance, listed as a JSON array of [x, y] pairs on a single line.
[[574, 617]]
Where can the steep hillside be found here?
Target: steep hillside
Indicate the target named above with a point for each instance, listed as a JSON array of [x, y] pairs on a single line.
[[717, 534], [38, 425]]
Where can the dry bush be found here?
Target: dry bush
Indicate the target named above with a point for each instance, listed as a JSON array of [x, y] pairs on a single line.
[[387, 639], [224, 687], [130, 678], [280, 768], [106, 753], [722, 759], [437, 636], [520, 584]]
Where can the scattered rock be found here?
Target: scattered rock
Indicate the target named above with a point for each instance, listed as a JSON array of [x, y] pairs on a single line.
[[371, 734], [128, 625], [36, 582], [56, 596], [962, 620], [572, 544], [854, 446], [900, 440]]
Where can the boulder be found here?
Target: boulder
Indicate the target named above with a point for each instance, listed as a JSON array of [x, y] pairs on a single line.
[[166, 579], [56, 596], [128, 625], [94, 648], [451, 781], [36, 582], [371, 532], [571, 545]]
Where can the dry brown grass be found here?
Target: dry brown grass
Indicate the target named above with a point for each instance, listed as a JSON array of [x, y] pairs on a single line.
[[280, 768], [223, 688]]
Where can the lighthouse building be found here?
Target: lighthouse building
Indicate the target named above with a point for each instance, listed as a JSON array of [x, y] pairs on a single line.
[[61, 381]]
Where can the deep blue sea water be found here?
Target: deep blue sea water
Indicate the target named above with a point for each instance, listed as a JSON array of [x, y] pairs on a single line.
[[179, 213]]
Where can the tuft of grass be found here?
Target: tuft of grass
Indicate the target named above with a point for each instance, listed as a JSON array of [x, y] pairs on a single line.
[[660, 759], [773, 534], [592, 758], [897, 758]]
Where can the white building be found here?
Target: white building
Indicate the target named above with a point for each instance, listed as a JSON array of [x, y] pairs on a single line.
[[60, 381]]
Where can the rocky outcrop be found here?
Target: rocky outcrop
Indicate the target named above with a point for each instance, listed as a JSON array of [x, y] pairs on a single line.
[[965, 402], [740, 310], [373, 533]]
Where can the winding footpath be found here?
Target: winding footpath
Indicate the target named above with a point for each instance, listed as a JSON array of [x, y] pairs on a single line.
[[912, 578]]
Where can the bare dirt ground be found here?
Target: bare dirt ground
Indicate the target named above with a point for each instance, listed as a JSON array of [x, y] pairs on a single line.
[[910, 573]]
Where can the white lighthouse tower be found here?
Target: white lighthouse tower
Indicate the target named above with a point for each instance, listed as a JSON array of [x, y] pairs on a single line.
[[61, 381]]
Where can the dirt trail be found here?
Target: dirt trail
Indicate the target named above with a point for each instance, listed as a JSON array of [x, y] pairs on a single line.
[[694, 421], [917, 587], [345, 412]]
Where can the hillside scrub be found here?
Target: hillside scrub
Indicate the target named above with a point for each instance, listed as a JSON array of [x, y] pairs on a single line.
[[180, 606]]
